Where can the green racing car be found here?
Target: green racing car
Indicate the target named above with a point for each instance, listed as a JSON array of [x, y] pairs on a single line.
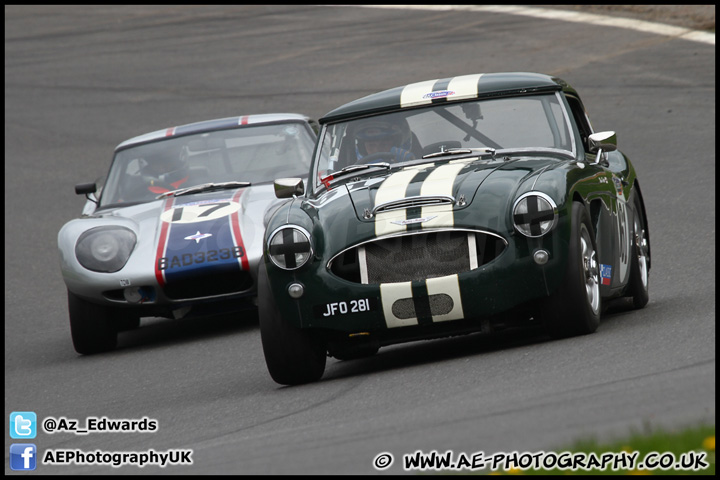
[[447, 207]]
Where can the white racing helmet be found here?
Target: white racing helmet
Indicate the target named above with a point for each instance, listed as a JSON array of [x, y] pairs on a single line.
[[395, 130]]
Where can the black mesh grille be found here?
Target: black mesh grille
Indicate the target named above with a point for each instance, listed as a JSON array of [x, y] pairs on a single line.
[[440, 304], [416, 257]]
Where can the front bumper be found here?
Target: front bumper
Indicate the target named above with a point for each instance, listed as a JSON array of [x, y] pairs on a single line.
[[451, 302]]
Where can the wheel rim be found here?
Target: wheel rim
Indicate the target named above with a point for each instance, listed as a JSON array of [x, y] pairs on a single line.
[[641, 247], [591, 272]]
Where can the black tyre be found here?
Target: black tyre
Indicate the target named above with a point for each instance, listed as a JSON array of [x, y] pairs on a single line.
[[91, 326], [574, 309], [126, 322], [293, 356], [640, 262]]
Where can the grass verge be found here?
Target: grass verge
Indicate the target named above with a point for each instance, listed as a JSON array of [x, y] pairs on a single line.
[[658, 452]]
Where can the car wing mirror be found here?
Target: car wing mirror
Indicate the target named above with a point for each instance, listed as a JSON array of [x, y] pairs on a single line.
[[87, 189], [601, 143], [288, 187]]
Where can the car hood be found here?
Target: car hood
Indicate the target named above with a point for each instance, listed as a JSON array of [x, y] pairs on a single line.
[[176, 231], [433, 195]]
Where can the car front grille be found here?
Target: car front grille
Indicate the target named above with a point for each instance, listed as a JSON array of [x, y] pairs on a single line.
[[417, 256], [208, 284]]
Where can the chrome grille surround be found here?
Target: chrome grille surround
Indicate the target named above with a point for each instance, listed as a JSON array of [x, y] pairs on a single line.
[[414, 202]]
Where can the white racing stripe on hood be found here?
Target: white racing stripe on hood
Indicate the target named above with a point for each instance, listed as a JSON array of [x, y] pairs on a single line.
[[393, 188], [440, 182]]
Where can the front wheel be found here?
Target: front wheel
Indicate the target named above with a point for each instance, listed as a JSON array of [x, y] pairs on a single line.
[[574, 309], [293, 356], [91, 326]]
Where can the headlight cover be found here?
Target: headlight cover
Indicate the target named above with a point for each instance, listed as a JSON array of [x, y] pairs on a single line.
[[289, 247], [105, 249], [534, 214]]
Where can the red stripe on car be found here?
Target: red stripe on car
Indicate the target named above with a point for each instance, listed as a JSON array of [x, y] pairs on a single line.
[[162, 242], [235, 225]]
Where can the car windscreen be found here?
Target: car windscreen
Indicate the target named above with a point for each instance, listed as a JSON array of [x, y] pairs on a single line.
[[255, 154], [530, 122]]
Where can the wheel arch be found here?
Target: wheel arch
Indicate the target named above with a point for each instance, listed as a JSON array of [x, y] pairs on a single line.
[[636, 190], [594, 208]]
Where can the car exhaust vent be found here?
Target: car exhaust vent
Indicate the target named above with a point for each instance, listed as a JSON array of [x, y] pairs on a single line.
[[417, 256]]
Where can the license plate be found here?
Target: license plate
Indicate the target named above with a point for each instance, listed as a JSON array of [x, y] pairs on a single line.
[[349, 307]]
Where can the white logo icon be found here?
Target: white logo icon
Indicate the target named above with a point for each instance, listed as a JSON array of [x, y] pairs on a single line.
[[23, 427]]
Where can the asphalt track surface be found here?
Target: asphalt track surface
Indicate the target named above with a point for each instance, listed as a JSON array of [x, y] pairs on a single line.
[[79, 80]]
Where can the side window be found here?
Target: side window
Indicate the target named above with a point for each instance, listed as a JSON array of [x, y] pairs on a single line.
[[581, 120]]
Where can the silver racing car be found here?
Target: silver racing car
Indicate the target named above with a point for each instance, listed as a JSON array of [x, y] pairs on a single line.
[[176, 229]]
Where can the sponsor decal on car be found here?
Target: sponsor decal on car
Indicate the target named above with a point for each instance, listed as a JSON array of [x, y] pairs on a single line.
[[462, 87], [189, 259], [618, 186], [198, 236], [440, 94], [413, 221], [605, 274]]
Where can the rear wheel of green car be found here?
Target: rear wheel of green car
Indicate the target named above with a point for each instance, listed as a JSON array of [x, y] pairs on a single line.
[[293, 356], [574, 309]]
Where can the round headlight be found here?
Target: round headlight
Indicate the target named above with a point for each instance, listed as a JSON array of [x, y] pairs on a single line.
[[534, 214], [289, 247], [105, 249]]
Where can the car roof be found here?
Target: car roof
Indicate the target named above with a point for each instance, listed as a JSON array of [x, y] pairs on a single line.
[[216, 124], [465, 87]]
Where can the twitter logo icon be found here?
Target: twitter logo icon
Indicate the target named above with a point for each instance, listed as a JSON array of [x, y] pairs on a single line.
[[23, 425]]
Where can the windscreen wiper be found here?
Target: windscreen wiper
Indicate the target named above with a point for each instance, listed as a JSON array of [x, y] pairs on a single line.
[[462, 151], [349, 170], [205, 187]]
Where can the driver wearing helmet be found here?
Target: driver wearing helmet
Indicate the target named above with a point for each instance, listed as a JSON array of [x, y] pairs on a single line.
[[383, 140], [167, 169]]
